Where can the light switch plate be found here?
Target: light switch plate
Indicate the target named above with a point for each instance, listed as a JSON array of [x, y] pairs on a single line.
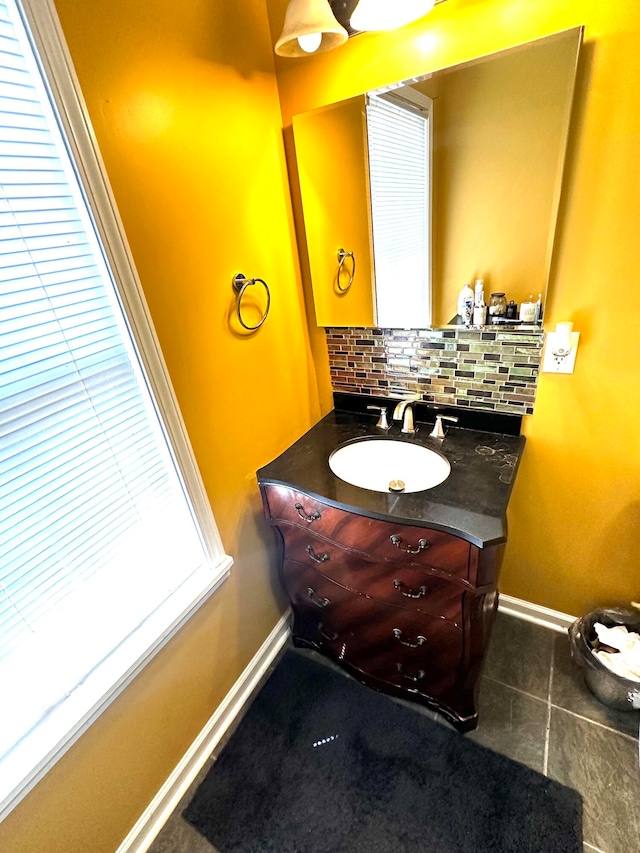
[[554, 364]]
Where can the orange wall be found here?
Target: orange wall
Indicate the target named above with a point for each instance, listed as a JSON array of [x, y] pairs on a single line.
[[575, 512], [184, 105]]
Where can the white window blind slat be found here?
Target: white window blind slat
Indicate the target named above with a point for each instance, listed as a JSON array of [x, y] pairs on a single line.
[[27, 205], [71, 458], [24, 121], [77, 421], [70, 416], [17, 132], [16, 191], [54, 379], [81, 554], [56, 555], [97, 534], [28, 561], [53, 365], [90, 461]]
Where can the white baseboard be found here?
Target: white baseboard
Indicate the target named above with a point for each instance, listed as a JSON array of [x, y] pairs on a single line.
[[530, 612], [160, 808]]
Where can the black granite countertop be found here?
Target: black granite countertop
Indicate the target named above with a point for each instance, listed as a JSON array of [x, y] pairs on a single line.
[[470, 503]]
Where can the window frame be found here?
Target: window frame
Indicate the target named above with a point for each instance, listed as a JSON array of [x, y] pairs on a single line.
[[59, 77]]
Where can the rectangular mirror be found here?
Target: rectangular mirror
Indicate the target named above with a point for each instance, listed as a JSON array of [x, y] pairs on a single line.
[[465, 186]]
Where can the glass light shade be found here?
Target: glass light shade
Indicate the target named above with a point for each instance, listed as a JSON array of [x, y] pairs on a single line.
[[388, 14], [310, 43], [308, 18]]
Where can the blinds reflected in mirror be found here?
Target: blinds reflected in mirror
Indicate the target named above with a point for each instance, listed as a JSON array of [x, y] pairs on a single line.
[[399, 150]]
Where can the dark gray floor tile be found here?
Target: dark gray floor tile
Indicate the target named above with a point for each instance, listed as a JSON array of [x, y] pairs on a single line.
[[512, 723], [569, 690], [603, 766], [520, 655]]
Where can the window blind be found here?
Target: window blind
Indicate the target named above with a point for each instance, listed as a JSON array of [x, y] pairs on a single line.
[[96, 530], [398, 142]]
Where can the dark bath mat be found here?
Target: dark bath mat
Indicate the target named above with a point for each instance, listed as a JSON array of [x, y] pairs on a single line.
[[321, 764]]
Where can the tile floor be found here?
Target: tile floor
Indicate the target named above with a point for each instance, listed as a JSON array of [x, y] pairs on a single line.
[[536, 709]]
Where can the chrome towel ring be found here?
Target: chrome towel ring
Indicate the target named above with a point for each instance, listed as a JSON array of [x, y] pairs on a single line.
[[342, 257], [240, 284]]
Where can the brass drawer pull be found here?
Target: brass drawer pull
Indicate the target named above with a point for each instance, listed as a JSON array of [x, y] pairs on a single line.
[[397, 541], [315, 516], [329, 637], [410, 593], [415, 678], [420, 640], [319, 602], [318, 558]]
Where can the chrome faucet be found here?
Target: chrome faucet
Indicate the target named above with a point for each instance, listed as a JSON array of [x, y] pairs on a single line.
[[382, 423], [403, 411], [438, 429]]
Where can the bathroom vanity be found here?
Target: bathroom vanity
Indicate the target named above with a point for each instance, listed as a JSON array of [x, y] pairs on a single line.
[[399, 589]]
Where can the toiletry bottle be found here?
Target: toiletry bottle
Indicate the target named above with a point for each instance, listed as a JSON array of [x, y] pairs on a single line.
[[479, 307], [527, 311], [465, 304], [538, 311]]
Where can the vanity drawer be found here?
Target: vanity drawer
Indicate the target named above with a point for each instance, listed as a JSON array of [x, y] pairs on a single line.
[[320, 607], [408, 649], [403, 586], [384, 540]]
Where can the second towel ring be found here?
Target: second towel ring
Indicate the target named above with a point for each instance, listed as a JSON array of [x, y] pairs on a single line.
[[342, 257], [240, 284]]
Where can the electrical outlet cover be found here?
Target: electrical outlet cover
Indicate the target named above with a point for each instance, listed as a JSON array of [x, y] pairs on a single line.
[[559, 364]]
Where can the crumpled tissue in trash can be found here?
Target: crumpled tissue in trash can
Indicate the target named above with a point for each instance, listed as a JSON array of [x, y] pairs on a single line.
[[626, 661]]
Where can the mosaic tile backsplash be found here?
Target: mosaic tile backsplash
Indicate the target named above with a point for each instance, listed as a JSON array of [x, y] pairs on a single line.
[[491, 369]]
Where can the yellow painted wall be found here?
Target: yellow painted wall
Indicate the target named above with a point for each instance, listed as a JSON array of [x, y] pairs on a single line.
[[332, 171], [575, 511], [186, 113], [184, 105]]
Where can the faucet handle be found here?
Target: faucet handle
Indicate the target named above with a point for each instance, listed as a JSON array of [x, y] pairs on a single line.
[[438, 429], [382, 423]]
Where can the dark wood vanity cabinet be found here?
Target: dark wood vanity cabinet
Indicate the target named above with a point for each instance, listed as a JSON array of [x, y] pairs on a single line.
[[405, 609]]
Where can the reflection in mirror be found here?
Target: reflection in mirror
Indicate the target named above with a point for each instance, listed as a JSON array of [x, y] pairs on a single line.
[[399, 140], [496, 138]]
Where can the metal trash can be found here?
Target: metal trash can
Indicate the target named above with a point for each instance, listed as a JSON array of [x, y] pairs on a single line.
[[612, 689]]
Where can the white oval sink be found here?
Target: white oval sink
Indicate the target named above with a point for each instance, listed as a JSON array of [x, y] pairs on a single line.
[[379, 463]]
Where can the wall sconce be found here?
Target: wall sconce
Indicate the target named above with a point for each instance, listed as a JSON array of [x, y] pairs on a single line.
[[560, 349], [312, 26], [309, 27]]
